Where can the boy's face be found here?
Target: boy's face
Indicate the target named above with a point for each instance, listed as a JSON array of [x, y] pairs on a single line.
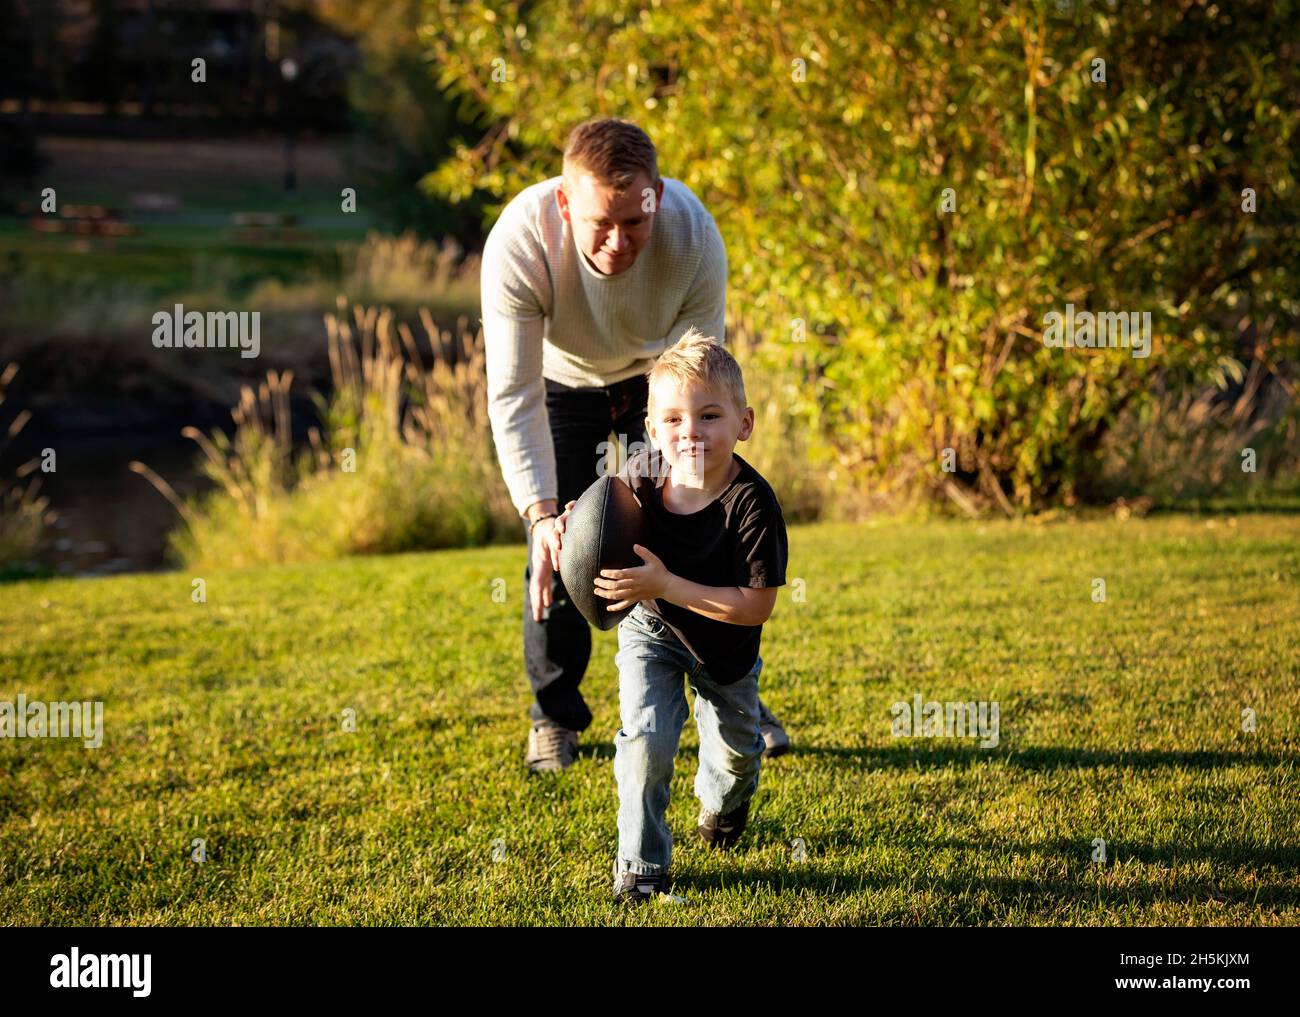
[[696, 429], [609, 228]]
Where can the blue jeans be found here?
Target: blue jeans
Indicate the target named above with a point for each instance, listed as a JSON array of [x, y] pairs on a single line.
[[652, 663]]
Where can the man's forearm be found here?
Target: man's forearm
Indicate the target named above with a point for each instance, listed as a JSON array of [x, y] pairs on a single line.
[[721, 603]]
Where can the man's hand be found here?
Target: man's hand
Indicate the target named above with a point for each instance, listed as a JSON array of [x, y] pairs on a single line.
[[546, 560], [555, 539], [630, 586]]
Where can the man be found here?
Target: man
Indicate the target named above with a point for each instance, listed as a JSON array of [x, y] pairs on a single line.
[[587, 278]]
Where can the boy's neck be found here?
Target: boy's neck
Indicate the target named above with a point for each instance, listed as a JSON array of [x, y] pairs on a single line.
[[687, 498]]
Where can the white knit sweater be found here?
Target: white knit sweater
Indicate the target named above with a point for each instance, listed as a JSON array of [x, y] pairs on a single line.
[[548, 313]]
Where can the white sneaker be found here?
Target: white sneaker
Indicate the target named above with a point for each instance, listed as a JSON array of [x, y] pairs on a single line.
[[550, 747]]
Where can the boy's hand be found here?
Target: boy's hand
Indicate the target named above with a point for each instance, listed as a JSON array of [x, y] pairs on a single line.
[[630, 586]]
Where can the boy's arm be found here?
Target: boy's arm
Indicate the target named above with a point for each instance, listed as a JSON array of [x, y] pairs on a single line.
[[761, 600], [735, 605]]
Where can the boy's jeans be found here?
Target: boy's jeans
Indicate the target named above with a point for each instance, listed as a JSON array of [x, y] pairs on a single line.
[[652, 663]]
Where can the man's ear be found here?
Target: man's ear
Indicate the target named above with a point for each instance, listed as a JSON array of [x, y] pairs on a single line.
[[562, 200]]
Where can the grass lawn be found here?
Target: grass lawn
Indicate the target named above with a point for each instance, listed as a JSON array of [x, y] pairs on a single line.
[[1119, 720], [168, 262]]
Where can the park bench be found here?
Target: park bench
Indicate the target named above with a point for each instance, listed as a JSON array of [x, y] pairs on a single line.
[[155, 201], [258, 227], [85, 222]]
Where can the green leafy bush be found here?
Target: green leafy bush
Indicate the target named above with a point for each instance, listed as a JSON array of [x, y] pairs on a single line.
[[906, 194]]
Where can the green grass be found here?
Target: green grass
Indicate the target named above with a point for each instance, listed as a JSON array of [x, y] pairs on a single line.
[[1119, 720], [172, 259], [175, 250], [196, 251]]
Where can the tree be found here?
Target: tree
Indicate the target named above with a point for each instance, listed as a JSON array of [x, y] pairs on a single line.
[[406, 125], [922, 187]]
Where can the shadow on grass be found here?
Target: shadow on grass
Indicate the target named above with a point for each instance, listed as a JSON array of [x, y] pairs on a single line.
[[1069, 852], [601, 750], [908, 758], [1051, 892], [18, 573], [1282, 504]]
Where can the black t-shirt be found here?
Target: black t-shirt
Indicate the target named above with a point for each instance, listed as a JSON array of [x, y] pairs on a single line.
[[738, 539]]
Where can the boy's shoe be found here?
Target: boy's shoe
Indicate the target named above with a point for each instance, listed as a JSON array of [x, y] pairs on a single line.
[[722, 831], [551, 747], [775, 741], [637, 888]]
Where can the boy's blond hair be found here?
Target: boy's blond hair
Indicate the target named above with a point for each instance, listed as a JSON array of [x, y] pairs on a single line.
[[703, 360]]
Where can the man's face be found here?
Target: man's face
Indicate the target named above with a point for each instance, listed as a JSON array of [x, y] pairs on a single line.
[[696, 429], [609, 228]]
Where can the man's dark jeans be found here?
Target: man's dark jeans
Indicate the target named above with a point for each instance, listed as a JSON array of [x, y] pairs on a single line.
[[557, 649]]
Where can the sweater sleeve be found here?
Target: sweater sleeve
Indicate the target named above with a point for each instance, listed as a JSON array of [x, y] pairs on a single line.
[[513, 328]]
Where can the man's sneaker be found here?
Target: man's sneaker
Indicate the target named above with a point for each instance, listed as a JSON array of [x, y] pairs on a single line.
[[637, 888], [722, 831], [551, 747], [775, 741]]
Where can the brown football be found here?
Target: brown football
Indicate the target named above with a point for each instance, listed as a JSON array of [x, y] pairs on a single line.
[[599, 533]]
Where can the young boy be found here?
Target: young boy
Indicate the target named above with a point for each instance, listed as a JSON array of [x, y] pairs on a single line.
[[701, 599]]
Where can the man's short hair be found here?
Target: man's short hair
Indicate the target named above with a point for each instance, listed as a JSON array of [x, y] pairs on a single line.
[[703, 360], [613, 151]]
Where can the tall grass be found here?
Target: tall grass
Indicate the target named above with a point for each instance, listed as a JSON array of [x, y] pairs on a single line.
[[24, 512], [1189, 446], [406, 270], [404, 459], [400, 271]]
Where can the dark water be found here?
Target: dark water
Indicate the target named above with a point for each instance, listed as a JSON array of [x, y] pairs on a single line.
[[111, 519]]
